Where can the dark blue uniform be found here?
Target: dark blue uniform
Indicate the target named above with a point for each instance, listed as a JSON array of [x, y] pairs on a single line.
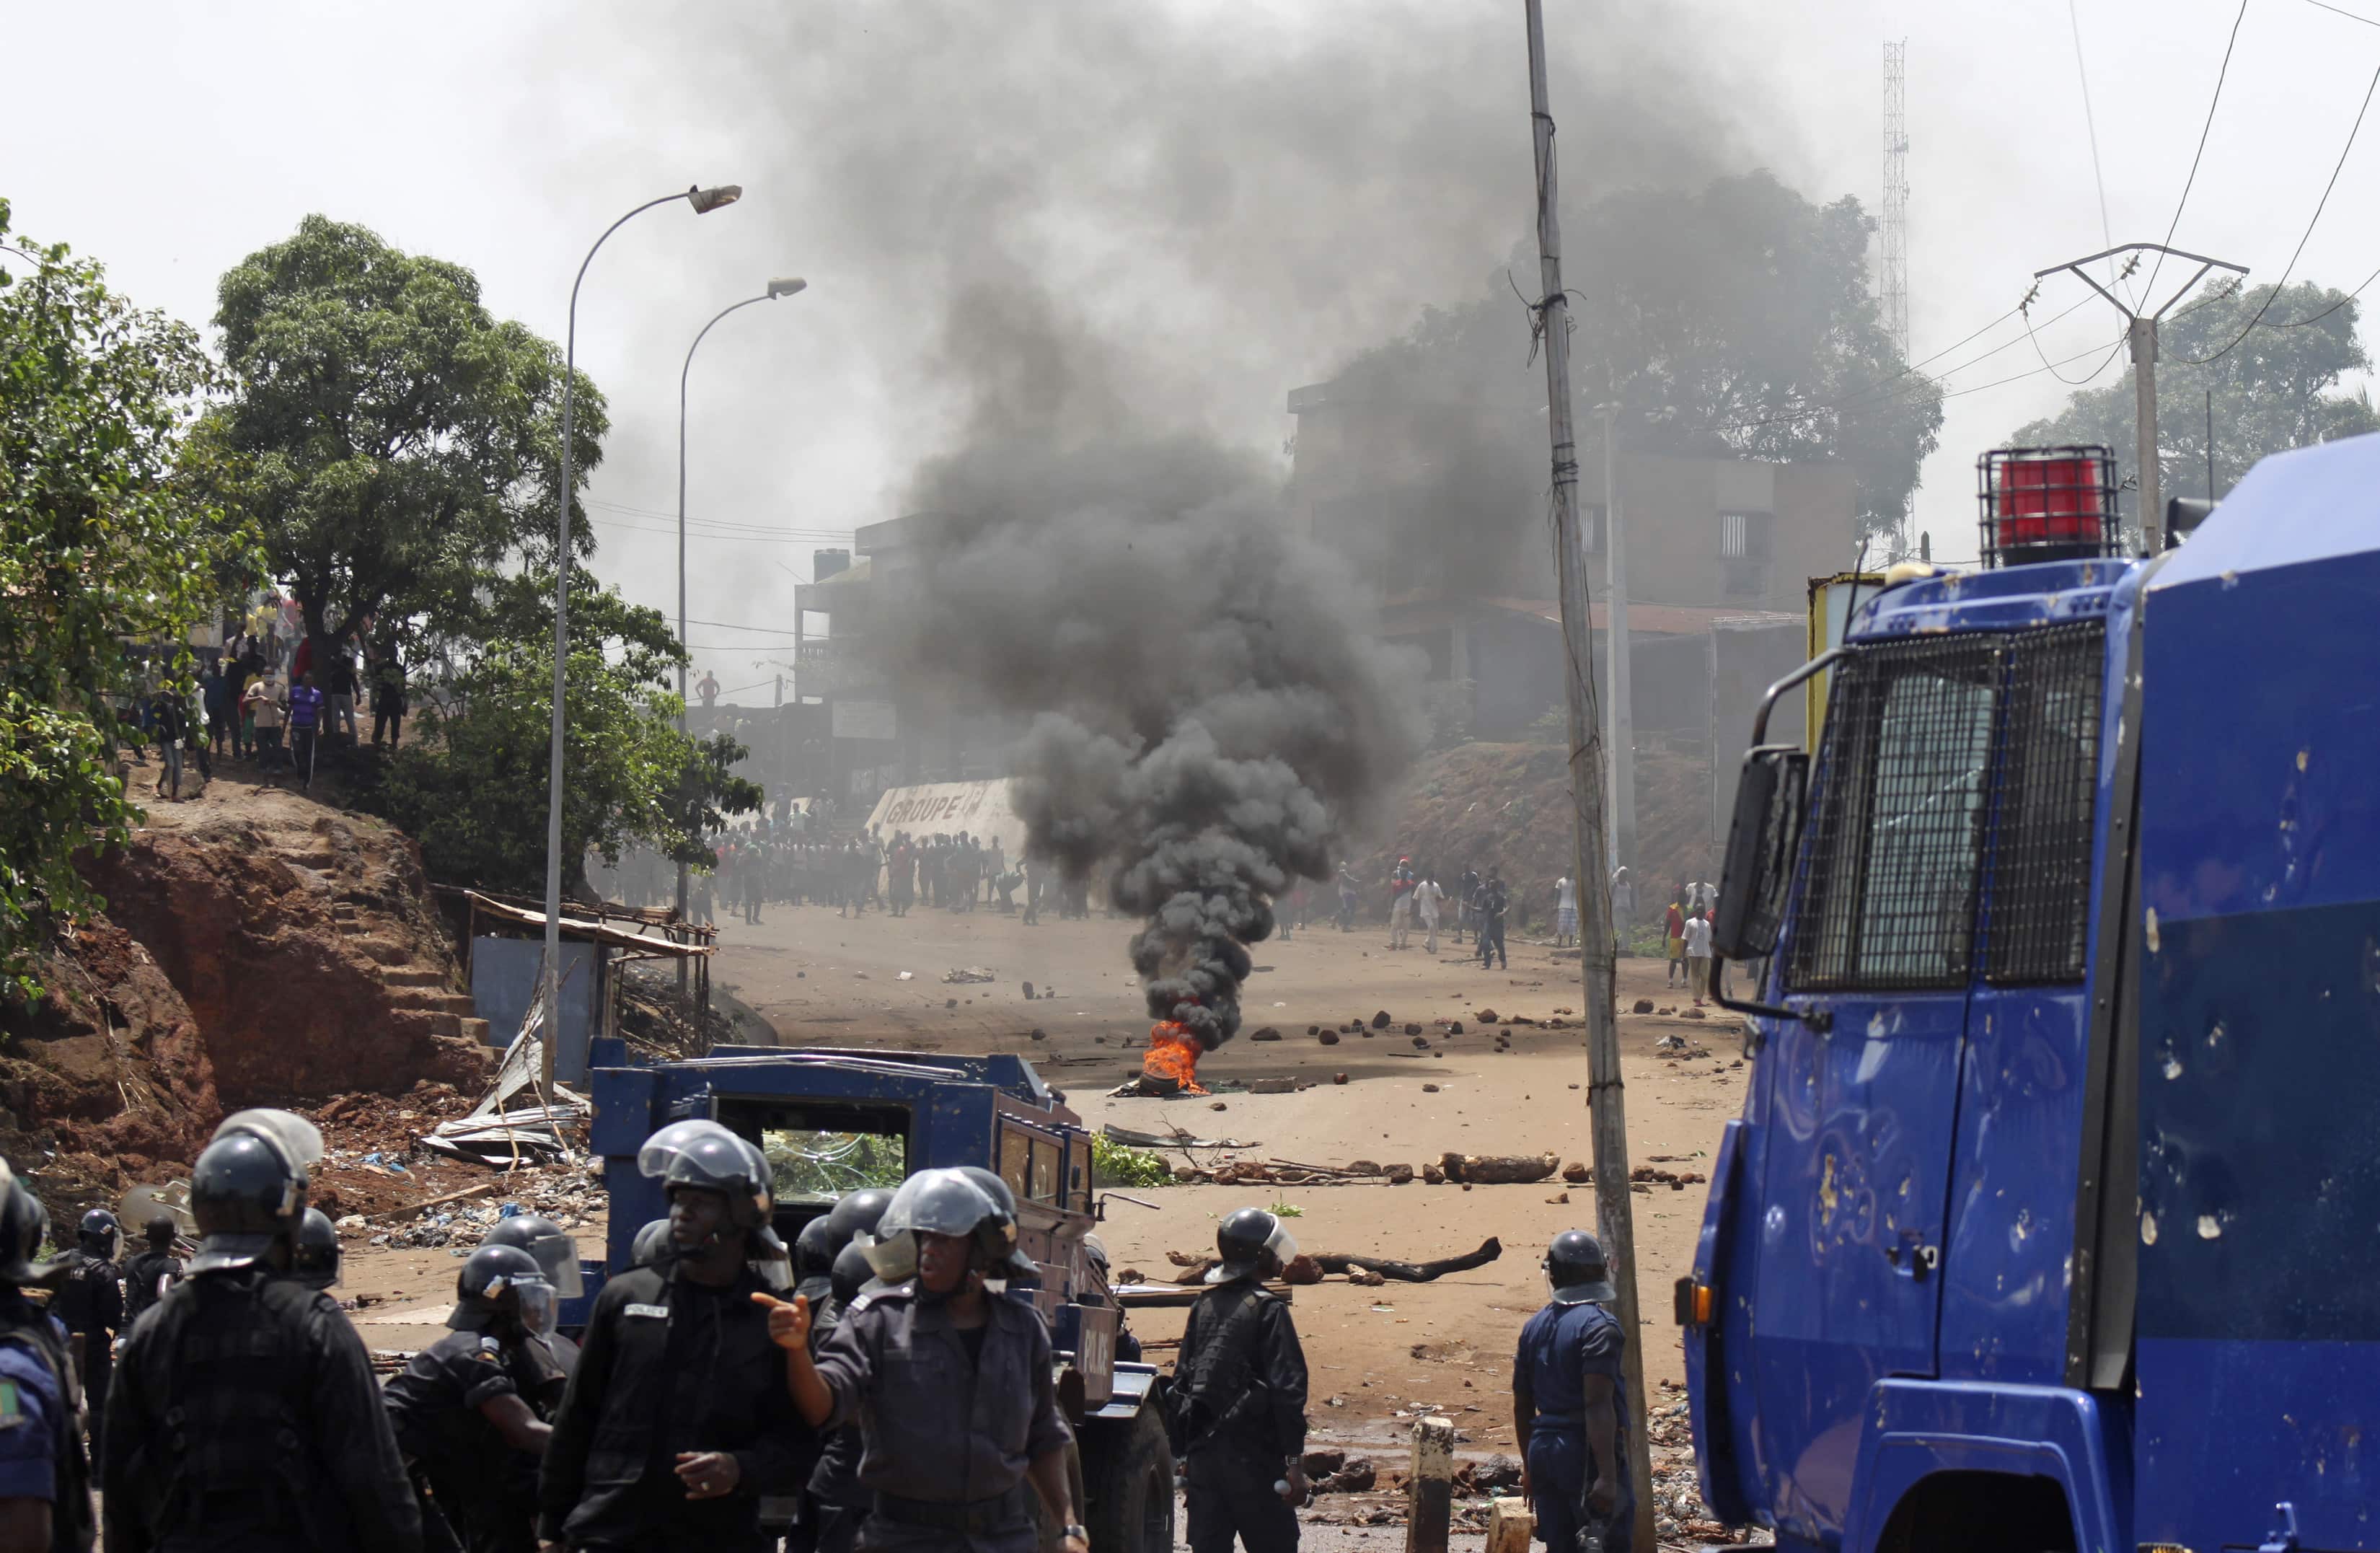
[[1560, 1348]]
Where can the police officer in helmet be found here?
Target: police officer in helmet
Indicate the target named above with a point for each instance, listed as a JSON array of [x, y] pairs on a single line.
[[1567, 1402], [90, 1300], [45, 1476], [556, 1251], [676, 1421], [147, 1275], [952, 1388], [1239, 1396], [244, 1413], [837, 1503], [463, 1408]]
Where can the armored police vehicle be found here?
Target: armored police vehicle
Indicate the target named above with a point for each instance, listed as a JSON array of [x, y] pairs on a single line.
[[2052, 1219], [832, 1122]]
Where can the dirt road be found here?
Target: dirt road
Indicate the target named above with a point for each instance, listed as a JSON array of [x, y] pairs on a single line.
[[822, 979]]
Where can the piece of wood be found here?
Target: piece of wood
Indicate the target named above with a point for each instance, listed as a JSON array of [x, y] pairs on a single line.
[[1429, 1486], [1512, 1526], [396, 1214], [1194, 1268], [1498, 1169]]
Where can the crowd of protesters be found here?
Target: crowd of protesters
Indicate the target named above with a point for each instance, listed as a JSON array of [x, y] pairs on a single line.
[[262, 698]]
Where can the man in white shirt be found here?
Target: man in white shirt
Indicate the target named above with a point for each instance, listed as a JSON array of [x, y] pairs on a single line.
[[1698, 955], [1565, 912], [1426, 896]]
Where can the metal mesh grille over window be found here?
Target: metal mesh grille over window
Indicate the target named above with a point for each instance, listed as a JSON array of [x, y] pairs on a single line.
[[2040, 885], [1888, 899]]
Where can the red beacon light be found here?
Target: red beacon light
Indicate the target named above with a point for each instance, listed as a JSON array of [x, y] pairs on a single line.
[[2046, 504]]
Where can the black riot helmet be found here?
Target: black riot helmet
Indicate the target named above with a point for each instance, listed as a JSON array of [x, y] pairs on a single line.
[[1251, 1242], [942, 1201], [851, 1274], [711, 1157], [555, 1250], [315, 1263], [814, 1250], [498, 1281], [858, 1213], [24, 1225], [1574, 1267], [99, 1234], [1007, 1260], [651, 1246], [247, 1189], [161, 1230]]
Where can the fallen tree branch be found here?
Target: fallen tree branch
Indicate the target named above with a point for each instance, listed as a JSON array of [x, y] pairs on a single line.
[[1195, 1267]]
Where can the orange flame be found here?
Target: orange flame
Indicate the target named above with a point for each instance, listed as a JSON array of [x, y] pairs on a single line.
[[1173, 1057]]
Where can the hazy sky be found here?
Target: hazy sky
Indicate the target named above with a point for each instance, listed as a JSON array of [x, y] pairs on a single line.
[[1213, 203]]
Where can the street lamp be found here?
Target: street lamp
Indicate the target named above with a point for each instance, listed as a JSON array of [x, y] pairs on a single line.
[[783, 287], [704, 201]]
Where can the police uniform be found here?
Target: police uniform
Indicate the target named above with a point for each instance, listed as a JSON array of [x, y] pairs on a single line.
[[91, 1302], [836, 1503], [1561, 1345], [486, 1488], [142, 1275], [1240, 1388], [40, 1446], [950, 1419], [245, 1416], [670, 1365]]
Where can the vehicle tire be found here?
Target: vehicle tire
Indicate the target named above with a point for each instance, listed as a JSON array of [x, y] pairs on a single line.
[[1131, 1480]]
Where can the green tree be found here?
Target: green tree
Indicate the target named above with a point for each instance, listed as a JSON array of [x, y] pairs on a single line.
[[102, 543], [472, 790], [1734, 321], [2276, 389], [393, 440]]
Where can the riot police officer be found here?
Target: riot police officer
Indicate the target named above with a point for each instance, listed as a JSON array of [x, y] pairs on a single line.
[[951, 1389], [148, 1275], [45, 1476], [315, 1262], [837, 1502], [1239, 1396], [814, 1253], [90, 1300], [466, 1409], [556, 1251], [244, 1412], [1567, 1402], [676, 1419]]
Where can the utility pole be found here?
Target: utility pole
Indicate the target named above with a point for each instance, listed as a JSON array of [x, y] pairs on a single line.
[[1615, 649], [1606, 1098], [2142, 329]]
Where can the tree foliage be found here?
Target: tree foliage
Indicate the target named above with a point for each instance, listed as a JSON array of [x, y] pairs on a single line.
[[393, 440], [472, 786], [2276, 389], [100, 543], [1734, 321]]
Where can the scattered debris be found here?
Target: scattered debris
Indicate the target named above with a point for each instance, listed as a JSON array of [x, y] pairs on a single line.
[[1491, 1169], [1381, 1021], [1329, 1037], [1267, 1033], [1642, 1005], [1338, 1078], [964, 974], [1576, 1173], [1029, 991]]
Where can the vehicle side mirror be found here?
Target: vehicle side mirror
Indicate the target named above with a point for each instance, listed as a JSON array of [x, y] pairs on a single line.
[[1762, 840]]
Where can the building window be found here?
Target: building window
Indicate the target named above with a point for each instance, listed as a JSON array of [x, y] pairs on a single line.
[[1745, 579], [1744, 535]]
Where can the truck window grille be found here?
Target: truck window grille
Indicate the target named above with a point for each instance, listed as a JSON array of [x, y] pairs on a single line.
[[1887, 893], [2039, 883]]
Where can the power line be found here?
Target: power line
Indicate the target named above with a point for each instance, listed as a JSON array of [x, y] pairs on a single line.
[[2317, 318], [2349, 15], [2091, 125], [2305, 236], [732, 625], [2204, 129]]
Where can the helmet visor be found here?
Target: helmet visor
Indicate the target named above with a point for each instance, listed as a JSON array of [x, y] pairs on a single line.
[[941, 1202], [893, 1258], [558, 1255], [537, 1304], [298, 1141]]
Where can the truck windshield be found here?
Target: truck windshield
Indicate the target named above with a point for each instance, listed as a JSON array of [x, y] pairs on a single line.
[[820, 1149]]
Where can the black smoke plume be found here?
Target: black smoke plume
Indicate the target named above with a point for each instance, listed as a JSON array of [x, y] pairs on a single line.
[[1210, 713]]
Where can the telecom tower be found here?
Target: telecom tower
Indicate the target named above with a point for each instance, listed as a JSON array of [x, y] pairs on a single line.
[[1893, 278]]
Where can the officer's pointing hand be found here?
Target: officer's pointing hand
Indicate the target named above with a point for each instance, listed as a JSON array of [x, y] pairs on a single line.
[[789, 1320]]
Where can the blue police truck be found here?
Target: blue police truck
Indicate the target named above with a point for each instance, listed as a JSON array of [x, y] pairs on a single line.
[[2052, 1219], [835, 1121]]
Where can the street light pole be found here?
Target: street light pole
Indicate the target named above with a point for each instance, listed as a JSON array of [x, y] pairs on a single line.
[[782, 288], [704, 201], [2141, 329]]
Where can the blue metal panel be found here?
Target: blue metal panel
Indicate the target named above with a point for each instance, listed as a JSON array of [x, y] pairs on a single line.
[[1725, 1257], [2260, 1061], [2011, 1240], [1913, 1430], [1860, 1129]]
